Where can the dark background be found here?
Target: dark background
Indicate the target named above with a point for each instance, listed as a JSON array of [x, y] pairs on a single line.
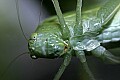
[[13, 43]]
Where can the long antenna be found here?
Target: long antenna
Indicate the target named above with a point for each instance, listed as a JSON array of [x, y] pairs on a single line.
[[10, 64], [40, 12], [18, 16]]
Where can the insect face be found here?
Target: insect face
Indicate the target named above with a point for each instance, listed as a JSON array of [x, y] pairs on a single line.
[[46, 45]]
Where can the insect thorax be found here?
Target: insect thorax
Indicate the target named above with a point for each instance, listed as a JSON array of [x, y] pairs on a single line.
[[91, 25]]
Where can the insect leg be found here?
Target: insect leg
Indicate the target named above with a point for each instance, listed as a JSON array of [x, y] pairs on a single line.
[[106, 12], [66, 62], [105, 55], [81, 56], [64, 27], [78, 27], [78, 12]]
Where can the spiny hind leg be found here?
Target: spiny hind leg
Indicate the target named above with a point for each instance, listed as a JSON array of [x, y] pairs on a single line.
[[81, 56], [105, 55], [65, 63], [78, 25]]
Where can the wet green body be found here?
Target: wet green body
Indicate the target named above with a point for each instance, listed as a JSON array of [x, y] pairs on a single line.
[[111, 33], [74, 33], [51, 27]]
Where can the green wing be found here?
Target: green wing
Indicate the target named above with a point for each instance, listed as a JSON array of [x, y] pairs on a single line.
[[108, 10], [112, 31]]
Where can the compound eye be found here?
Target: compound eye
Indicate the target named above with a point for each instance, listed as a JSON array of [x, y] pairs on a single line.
[[34, 36]]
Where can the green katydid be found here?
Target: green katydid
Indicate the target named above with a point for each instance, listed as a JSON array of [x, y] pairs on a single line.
[[65, 36], [68, 35]]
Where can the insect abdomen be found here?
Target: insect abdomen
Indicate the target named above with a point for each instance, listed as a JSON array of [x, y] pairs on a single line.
[[109, 36], [112, 31]]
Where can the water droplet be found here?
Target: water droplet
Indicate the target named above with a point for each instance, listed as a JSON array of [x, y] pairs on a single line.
[[34, 57]]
